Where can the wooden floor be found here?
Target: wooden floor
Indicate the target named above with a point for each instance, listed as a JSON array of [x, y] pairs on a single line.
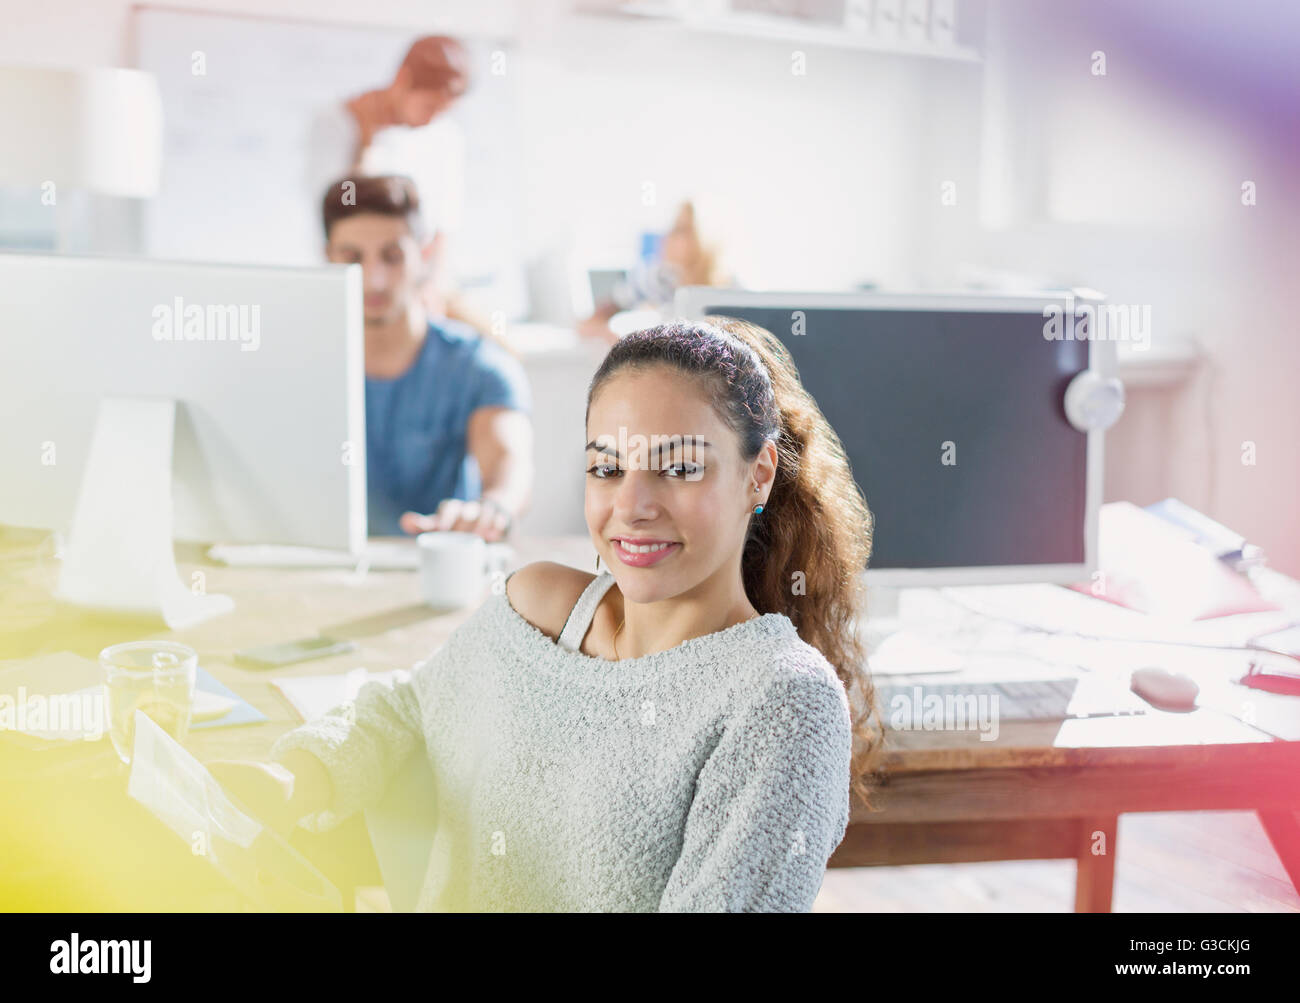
[[1168, 862]]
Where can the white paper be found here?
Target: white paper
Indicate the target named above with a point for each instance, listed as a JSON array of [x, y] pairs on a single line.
[[907, 653], [312, 696], [180, 791]]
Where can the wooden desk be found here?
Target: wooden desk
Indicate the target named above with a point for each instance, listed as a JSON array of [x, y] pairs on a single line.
[[1041, 790], [1023, 797], [1055, 789]]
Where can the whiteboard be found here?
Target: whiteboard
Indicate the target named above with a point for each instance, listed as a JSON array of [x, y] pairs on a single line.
[[236, 139]]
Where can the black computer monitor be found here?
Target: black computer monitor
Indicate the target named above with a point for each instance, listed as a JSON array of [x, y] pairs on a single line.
[[951, 412]]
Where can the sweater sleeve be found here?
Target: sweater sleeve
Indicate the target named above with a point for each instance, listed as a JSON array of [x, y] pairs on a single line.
[[364, 741], [771, 804]]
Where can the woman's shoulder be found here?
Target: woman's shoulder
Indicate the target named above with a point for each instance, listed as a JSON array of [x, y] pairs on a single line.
[[544, 593], [794, 664]]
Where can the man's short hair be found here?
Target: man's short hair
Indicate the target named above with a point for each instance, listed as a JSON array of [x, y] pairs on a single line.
[[387, 195]]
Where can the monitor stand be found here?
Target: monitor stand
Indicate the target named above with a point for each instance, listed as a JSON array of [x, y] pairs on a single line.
[[119, 556]]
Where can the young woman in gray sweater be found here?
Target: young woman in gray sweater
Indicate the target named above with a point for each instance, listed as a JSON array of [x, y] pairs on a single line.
[[681, 732]]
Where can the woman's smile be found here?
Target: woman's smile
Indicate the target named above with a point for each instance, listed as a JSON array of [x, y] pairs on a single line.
[[644, 554]]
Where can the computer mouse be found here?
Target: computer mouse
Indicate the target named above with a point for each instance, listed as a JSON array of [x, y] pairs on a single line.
[[1165, 690]]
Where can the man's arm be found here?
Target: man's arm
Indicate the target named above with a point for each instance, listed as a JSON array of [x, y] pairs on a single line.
[[501, 441]]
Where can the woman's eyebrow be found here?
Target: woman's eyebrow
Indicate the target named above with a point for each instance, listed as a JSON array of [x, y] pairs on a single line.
[[682, 440]]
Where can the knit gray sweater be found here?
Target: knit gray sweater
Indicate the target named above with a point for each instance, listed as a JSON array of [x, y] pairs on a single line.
[[713, 776]]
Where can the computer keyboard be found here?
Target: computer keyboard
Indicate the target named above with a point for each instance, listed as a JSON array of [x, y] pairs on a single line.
[[1020, 700]]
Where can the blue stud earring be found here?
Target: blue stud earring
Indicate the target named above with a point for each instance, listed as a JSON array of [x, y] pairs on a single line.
[[758, 509]]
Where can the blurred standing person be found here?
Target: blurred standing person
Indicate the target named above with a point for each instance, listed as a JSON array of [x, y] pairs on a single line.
[[403, 129], [683, 259]]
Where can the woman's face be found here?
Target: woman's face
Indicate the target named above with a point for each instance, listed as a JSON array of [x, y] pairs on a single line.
[[651, 479]]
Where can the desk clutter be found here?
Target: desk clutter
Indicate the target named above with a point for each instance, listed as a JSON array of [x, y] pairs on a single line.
[[1175, 605], [180, 792], [1153, 561]]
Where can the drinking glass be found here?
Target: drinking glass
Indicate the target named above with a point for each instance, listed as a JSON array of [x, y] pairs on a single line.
[[156, 677]]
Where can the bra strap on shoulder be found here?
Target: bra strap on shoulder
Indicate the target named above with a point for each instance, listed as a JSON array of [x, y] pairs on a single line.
[[584, 610]]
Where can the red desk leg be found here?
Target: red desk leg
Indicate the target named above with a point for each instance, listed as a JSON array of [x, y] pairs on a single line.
[[1283, 828], [1095, 880]]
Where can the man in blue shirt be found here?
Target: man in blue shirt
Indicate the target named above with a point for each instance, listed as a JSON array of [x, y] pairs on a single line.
[[448, 433]]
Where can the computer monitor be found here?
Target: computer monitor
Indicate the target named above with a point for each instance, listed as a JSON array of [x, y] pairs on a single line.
[[952, 412], [149, 400], [605, 283]]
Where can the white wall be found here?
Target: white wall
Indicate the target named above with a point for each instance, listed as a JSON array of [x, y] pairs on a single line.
[[97, 32], [805, 182], [1153, 155], [803, 173]]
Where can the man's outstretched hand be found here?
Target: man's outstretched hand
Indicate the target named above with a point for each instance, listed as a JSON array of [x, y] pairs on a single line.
[[488, 520]]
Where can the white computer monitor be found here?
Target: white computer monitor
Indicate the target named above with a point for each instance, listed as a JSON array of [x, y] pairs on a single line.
[[225, 401], [952, 412]]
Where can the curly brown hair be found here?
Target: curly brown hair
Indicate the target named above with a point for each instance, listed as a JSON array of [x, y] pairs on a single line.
[[804, 555]]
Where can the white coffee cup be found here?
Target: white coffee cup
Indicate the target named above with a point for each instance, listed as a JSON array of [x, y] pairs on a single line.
[[455, 567]]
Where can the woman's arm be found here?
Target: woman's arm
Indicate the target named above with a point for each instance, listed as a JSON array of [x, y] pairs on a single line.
[[344, 759], [312, 789], [770, 806]]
